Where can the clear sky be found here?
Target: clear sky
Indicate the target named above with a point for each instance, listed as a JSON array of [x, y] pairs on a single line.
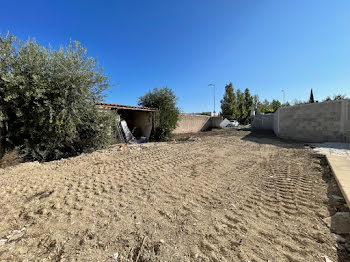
[[265, 46]]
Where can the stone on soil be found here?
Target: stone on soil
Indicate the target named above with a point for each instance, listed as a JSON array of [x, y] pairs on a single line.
[[338, 238], [339, 223]]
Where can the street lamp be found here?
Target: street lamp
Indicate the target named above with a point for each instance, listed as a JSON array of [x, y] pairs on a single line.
[[213, 85]]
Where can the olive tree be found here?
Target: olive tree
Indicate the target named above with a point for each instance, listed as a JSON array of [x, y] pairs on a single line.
[[48, 97], [168, 113]]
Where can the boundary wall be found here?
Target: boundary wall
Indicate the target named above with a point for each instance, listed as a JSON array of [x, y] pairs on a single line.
[[262, 123], [317, 122], [191, 123]]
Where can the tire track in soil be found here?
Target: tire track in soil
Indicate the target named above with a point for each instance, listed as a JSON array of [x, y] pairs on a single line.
[[218, 199]]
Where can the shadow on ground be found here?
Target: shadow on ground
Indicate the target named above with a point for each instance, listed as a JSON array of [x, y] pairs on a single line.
[[271, 139]]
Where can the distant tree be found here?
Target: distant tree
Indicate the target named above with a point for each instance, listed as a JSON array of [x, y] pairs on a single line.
[[311, 100], [260, 108], [335, 97], [299, 102], [168, 113], [266, 106], [229, 103], [248, 103], [205, 114], [242, 111], [275, 104], [285, 104], [256, 103], [339, 97]]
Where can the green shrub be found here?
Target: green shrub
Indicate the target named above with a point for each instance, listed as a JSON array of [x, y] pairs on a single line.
[[47, 98], [168, 113]]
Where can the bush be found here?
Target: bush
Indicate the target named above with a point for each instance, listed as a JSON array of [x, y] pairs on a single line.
[[47, 98], [168, 113]]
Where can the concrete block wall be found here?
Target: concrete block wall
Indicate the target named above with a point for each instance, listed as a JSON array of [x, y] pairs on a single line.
[[215, 121], [263, 123], [317, 122]]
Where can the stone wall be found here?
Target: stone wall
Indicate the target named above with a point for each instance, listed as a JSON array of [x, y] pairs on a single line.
[[316, 122], [263, 123]]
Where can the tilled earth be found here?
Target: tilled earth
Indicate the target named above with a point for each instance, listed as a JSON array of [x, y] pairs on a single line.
[[226, 196]]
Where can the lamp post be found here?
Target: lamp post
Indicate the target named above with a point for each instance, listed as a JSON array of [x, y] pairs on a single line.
[[213, 85]]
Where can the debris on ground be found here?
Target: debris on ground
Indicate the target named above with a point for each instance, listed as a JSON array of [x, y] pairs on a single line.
[[16, 235], [339, 238], [339, 223], [126, 130], [115, 256], [326, 259], [227, 123], [3, 241]]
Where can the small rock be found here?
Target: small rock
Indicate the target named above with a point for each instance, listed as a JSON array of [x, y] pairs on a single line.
[[3, 241], [15, 235], [340, 247], [335, 197], [192, 139], [162, 241], [338, 203], [339, 223], [326, 259], [347, 247], [338, 238], [115, 256]]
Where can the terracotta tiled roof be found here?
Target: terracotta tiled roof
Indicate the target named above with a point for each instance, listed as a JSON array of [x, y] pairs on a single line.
[[117, 106]]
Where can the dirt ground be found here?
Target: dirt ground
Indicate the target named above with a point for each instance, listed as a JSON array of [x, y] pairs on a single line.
[[218, 196]]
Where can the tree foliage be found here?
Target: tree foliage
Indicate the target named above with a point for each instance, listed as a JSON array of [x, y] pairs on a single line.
[[239, 105], [248, 103], [47, 98], [275, 104], [168, 113], [311, 99], [335, 97], [229, 103]]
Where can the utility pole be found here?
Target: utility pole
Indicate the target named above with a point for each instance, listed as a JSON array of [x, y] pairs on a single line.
[[213, 85], [284, 97]]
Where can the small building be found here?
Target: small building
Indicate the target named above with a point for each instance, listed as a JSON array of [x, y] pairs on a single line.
[[140, 120]]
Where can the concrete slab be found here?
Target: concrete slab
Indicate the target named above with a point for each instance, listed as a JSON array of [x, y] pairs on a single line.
[[332, 148], [340, 166]]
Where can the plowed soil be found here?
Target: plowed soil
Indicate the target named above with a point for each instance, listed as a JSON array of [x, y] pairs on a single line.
[[226, 196]]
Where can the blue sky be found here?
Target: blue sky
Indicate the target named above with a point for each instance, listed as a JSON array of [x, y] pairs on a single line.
[[265, 46]]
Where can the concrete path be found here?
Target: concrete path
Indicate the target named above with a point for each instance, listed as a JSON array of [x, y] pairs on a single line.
[[340, 166], [332, 148]]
